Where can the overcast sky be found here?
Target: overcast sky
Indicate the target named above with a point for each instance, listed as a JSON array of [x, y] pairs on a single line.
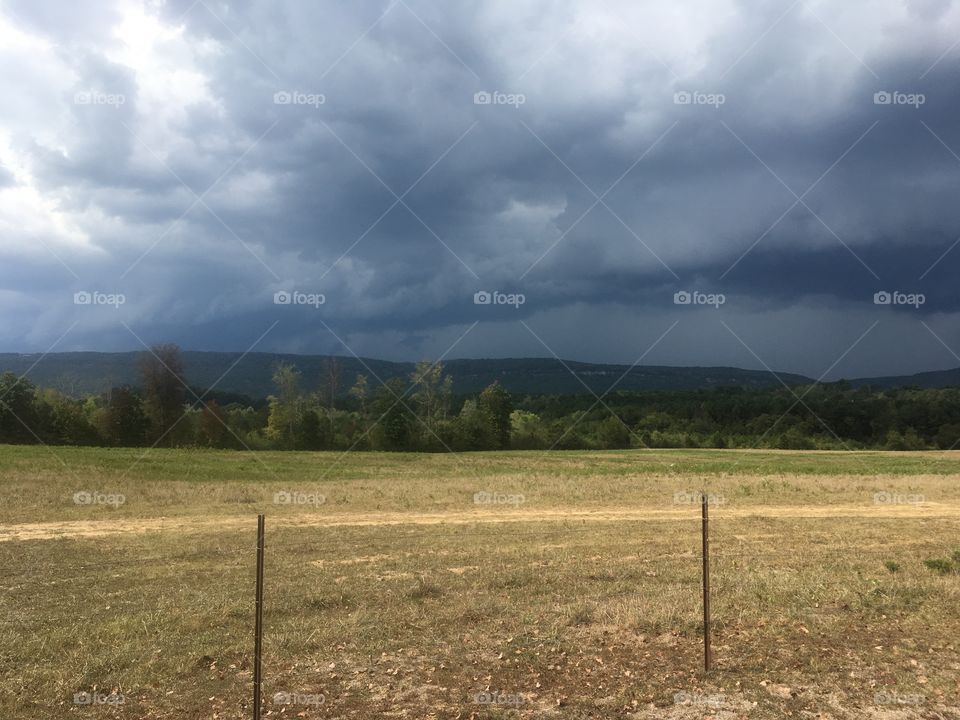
[[184, 162]]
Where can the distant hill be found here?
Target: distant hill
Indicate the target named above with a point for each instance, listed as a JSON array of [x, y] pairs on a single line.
[[90, 372], [934, 379]]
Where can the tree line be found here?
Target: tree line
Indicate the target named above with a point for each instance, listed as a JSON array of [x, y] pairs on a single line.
[[425, 414]]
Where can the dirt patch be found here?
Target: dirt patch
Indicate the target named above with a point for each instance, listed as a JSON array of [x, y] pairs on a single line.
[[123, 526], [353, 561]]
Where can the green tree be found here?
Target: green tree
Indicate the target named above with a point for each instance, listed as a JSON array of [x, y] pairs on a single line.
[[164, 390], [246, 425], [393, 426], [795, 439], [286, 407], [123, 422], [19, 421], [527, 431], [361, 393], [211, 429], [65, 419], [474, 428], [430, 400], [948, 436], [614, 434], [431, 390], [314, 431], [331, 381], [497, 404]]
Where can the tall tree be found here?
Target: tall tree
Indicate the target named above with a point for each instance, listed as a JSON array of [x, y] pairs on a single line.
[[497, 404], [19, 421], [474, 428], [394, 423], [331, 380], [212, 427], [313, 433], [286, 407], [360, 392], [123, 422], [432, 392], [164, 390]]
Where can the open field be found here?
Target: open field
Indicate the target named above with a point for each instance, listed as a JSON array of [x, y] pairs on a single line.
[[400, 596]]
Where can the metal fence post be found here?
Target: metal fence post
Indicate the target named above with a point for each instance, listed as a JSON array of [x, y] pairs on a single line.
[[705, 521], [258, 622]]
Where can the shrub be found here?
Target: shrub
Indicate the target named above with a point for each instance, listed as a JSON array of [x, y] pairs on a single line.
[[941, 566]]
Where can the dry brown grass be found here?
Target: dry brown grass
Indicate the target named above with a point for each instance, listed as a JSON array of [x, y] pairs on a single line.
[[399, 597]]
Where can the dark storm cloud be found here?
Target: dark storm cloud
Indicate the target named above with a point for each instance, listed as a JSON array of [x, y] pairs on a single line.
[[390, 191]]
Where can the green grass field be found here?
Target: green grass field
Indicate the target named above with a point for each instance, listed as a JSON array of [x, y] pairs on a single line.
[[391, 592]]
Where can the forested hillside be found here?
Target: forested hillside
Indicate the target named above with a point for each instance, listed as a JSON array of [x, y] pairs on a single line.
[[426, 410]]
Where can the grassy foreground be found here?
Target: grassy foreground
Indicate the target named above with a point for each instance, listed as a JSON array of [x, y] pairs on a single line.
[[570, 589]]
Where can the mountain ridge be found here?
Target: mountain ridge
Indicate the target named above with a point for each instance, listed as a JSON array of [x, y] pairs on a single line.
[[86, 372]]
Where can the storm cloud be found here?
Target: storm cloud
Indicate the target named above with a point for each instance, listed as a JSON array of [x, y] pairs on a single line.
[[615, 164]]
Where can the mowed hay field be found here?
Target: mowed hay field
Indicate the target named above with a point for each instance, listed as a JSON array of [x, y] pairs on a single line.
[[401, 596]]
